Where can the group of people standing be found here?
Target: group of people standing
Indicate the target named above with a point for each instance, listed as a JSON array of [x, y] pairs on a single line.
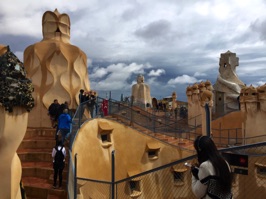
[[61, 120], [87, 100]]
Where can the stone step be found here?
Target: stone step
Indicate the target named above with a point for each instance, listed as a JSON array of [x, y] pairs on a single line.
[[37, 156], [47, 132], [39, 188], [37, 143], [42, 172]]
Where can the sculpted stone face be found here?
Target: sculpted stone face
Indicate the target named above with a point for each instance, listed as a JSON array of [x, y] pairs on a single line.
[[140, 79], [56, 25]]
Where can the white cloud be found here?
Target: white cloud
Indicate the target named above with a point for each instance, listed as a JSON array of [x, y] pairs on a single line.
[[168, 37], [184, 79], [116, 76], [157, 72], [199, 74]]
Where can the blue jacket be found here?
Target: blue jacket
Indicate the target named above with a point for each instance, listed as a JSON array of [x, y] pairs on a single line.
[[64, 121]]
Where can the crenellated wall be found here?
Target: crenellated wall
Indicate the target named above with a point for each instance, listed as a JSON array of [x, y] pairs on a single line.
[[253, 105], [198, 95]]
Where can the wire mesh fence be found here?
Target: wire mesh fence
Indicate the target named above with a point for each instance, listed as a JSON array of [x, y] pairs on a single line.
[[173, 180]]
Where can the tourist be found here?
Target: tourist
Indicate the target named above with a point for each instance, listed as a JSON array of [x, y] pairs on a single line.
[[91, 100], [59, 155], [212, 177], [52, 112], [61, 108], [64, 123], [82, 99]]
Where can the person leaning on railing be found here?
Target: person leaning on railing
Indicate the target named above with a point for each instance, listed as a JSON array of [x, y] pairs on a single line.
[[211, 177]]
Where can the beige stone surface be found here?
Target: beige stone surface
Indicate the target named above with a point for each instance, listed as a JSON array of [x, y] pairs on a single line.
[[252, 102], [174, 102], [58, 70], [228, 81], [131, 154], [12, 130], [141, 92], [197, 96]]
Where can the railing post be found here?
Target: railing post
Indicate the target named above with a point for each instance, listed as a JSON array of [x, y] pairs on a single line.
[[208, 119], [131, 110], [236, 140], [79, 111], [113, 175], [109, 106], [220, 132], [96, 106], [75, 177], [228, 138]]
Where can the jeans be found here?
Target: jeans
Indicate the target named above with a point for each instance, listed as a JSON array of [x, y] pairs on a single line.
[[64, 133]]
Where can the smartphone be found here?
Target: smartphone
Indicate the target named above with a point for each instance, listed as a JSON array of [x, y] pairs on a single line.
[[188, 164]]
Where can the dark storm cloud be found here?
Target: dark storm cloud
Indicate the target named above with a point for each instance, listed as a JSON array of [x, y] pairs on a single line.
[[154, 30], [165, 40], [259, 26], [18, 42]]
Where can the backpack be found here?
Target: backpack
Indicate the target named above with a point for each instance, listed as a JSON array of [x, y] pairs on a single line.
[[53, 109], [59, 156]]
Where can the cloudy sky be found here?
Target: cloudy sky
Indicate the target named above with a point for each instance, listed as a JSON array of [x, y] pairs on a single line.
[[173, 43]]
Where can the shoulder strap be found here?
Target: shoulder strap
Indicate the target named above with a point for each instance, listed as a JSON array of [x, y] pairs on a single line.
[[61, 148]]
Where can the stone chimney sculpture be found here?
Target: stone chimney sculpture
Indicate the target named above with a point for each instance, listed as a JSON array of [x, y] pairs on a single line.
[[228, 86], [252, 104], [15, 102], [198, 96], [141, 93], [57, 69]]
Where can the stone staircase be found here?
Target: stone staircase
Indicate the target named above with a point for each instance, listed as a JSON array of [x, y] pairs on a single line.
[[37, 168]]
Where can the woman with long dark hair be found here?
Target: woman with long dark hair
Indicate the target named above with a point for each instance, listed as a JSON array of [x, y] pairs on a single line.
[[212, 176]]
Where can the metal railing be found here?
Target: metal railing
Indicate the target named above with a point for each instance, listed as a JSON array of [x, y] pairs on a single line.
[[173, 180], [168, 181]]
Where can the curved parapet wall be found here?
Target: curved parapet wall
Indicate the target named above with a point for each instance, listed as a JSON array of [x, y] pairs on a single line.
[[15, 102], [98, 138], [57, 69]]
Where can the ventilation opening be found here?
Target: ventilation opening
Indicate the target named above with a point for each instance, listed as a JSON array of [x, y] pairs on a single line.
[[152, 150], [106, 138], [135, 188], [105, 134], [261, 171], [57, 30], [153, 154], [178, 176]]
